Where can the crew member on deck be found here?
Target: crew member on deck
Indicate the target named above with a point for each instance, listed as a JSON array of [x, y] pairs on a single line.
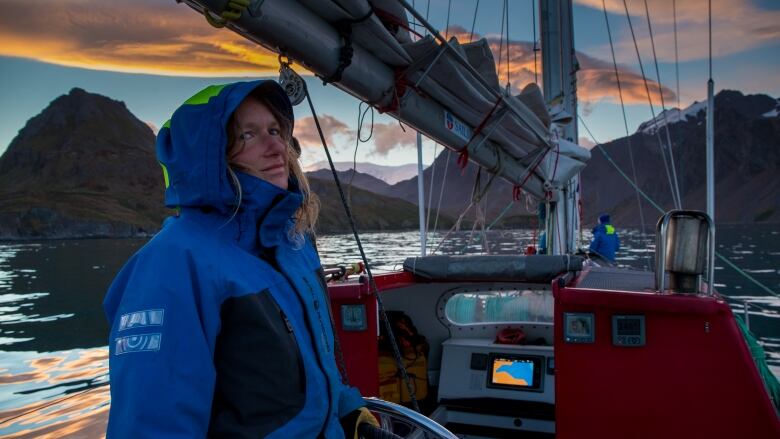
[[220, 325], [605, 239]]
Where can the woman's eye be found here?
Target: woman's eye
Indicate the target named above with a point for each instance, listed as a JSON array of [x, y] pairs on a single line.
[[246, 135], [274, 131]]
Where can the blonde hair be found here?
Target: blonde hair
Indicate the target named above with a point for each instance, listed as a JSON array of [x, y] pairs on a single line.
[[306, 215]]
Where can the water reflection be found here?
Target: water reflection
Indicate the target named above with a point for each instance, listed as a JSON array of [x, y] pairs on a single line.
[[60, 393]]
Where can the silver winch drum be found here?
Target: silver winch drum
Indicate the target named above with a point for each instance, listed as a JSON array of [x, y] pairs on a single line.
[[682, 244]]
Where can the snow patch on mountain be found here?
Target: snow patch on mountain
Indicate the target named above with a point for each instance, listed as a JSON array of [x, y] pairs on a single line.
[[672, 116], [775, 112], [389, 174]]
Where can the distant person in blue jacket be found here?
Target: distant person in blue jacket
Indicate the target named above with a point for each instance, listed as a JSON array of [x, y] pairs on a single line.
[[605, 239], [220, 325]]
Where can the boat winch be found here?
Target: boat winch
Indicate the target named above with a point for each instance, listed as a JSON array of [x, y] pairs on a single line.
[[685, 241]]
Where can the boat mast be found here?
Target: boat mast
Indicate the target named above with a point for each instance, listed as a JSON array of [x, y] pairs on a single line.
[[559, 67], [710, 160]]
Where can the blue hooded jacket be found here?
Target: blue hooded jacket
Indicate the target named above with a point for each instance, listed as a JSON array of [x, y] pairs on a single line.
[[605, 239], [220, 325]]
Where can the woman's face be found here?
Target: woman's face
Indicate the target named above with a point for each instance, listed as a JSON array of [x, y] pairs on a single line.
[[259, 148]]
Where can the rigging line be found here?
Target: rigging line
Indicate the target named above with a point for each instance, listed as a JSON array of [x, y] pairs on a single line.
[[501, 215], [441, 191], [477, 196], [625, 122], [506, 6], [535, 48], [358, 141], [661, 210], [455, 225], [471, 204], [430, 188], [447, 29], [709, 22], [414, 19], [663, 107], [371, 283], [617, 167], [677, 69], [474, 22], [751, 302], [676, 60], [652, 109], [501, 42]]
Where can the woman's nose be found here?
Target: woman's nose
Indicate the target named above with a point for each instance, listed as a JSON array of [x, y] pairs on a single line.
[[275, 145]]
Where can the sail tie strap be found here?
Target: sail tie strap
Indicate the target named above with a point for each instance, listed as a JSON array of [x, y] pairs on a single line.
[[463, 158], [232, 12], [344, 28], [516, 192], [345, 53]]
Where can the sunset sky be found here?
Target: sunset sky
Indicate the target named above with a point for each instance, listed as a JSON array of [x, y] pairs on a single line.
[[154, 54]]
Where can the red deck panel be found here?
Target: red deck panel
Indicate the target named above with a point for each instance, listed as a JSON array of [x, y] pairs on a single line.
[[695, 377], [360, 349]]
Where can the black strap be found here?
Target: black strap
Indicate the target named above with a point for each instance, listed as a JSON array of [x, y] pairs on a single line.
[[345, 54], [344, 29]]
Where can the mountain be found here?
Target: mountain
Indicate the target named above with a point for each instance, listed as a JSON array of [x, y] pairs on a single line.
[[370, 211], [458, 186], [747, 161], [83, 167], [389, 174], [360, 180]]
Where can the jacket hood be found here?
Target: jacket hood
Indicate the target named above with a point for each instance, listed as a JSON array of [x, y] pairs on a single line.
[[191, 146]]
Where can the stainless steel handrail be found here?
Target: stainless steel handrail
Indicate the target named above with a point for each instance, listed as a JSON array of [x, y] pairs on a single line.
[[418, 420]]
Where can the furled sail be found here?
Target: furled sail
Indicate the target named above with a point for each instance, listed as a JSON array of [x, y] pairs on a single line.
[[366, 49]]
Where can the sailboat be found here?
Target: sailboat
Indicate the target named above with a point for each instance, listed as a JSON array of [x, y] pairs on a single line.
[[548, 345]]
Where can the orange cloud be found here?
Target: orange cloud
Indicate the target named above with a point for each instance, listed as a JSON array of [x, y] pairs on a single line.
[[307, 135], [384, 138], [595, 79], [388, 136], [142, 36]]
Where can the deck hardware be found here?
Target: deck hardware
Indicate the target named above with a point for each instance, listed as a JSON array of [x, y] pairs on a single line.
[[628, 330], [579, 327], [685, 239]]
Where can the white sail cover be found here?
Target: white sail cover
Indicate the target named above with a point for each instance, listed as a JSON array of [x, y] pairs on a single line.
[[421, 82]]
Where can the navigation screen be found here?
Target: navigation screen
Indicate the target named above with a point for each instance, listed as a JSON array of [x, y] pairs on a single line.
[[513, 372]]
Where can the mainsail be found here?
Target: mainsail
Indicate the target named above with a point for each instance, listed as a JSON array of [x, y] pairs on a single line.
[[446, 90]]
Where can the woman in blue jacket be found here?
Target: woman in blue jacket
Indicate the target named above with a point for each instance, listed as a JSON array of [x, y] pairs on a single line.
[[605, 239], [220, 325]]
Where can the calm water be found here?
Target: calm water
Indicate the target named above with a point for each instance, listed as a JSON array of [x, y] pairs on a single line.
[[53, 359]]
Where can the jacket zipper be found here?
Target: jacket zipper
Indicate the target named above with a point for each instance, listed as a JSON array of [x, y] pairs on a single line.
[[301, 372]]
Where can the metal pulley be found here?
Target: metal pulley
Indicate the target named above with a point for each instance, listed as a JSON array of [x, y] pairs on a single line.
[[291, 82]]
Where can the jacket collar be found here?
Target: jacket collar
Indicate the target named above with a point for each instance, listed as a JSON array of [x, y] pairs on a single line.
[[267, 213]]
